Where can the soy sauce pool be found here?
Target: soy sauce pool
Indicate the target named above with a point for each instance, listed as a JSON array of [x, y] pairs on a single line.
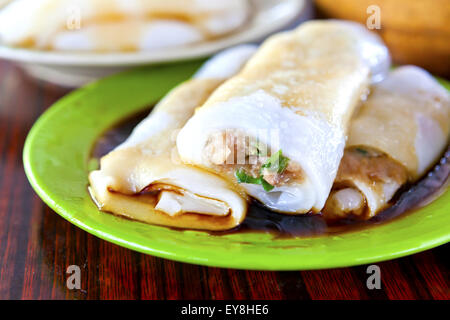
[[259, 219]]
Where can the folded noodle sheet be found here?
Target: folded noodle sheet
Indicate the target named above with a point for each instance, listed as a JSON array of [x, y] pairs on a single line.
[[295, 97], [143, 178], [395, 137], [117, 25]]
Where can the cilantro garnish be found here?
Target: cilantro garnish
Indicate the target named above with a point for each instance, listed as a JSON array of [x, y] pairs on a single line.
[[266, 186], [243, 177], [276, 163]]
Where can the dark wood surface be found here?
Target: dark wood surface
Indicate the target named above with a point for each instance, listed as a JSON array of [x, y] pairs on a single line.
[[37, 245]]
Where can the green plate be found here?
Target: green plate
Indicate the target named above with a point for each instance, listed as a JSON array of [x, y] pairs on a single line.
[[56, 157]]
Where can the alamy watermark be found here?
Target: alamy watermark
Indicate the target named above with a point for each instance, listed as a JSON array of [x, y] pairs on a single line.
[[374, 280], [74, 279], [374, 20]]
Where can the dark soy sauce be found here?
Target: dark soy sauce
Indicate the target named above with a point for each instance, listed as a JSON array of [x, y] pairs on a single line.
[[259, 219]]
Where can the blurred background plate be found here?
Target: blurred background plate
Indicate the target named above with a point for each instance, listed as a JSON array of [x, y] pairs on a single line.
[[75, 69]]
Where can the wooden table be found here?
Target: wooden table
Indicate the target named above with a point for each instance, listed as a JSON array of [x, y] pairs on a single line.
[[37, 245]]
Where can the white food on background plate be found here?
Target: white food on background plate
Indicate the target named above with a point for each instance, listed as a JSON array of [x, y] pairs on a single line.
[[118, 25]]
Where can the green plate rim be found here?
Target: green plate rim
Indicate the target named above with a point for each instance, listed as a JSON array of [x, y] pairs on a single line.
[[254, 260]]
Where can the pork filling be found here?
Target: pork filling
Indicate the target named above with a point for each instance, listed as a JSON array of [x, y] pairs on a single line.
[[234, 153]]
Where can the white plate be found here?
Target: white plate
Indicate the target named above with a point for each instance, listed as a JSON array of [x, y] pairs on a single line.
[[74, 69]]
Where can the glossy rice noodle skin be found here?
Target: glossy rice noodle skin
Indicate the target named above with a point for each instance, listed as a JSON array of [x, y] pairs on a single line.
[[125, 162], [407, 116], [119, 187], [143, 178], [259, 219], [303, 86], [399, 133], [117, 25]]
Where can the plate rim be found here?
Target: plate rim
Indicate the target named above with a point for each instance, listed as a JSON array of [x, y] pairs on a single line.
[[163, 251]]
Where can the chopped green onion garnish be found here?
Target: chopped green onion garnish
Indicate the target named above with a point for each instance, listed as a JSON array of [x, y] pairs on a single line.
[[243, 177], [266, 186], [276, 163]]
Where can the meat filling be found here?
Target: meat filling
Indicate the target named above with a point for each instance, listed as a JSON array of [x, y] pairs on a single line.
[[366, 181], [235, 154]]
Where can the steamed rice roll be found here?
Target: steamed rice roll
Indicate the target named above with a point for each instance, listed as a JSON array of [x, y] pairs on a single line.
[[117, 25], [143, 178], [278, 128], [395, 137]]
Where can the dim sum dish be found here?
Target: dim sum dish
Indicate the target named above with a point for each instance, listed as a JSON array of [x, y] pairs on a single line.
[[309, 150], [395, 137], [301, 88]]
